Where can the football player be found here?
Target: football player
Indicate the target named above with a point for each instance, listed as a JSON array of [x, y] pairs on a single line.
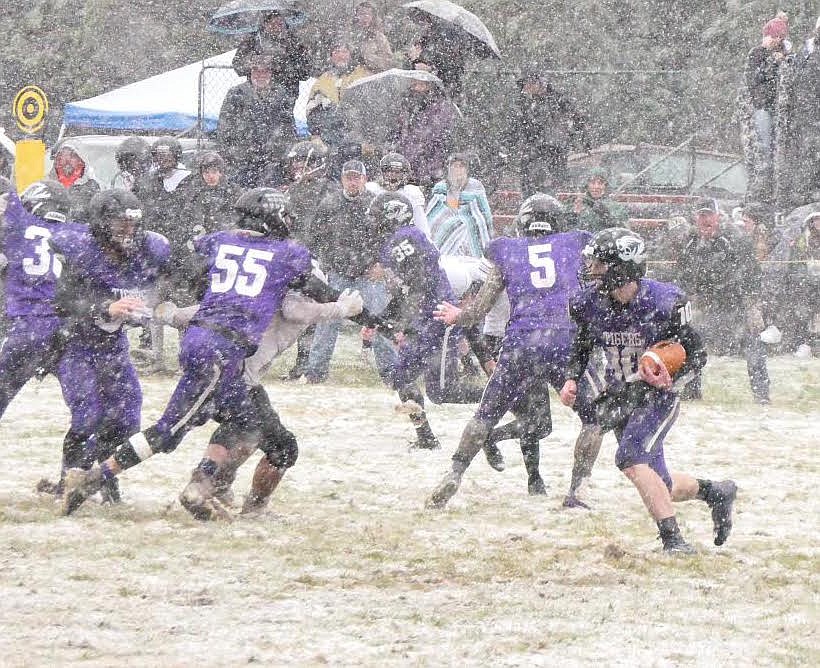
[[33, 342], [539, 271], [623, 313], [109, 269]]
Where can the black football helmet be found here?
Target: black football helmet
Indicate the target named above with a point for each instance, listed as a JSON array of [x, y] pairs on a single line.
[[264, 210], [115, 220], [388, 212], [395, 171], [47, 199], [624, 254], [133, 155], [539, 214], [306, 160]]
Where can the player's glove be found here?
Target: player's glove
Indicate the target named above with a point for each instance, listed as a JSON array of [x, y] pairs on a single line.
[[350, 302]]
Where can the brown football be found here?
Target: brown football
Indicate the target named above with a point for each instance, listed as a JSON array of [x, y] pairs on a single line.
[[670, 354]]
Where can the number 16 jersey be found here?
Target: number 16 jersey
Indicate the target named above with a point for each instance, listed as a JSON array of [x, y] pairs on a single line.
[[540, 275], [248, 277]]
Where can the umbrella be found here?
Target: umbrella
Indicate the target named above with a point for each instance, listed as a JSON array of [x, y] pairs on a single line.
[[372, 105], [458, 16], [242, 16]]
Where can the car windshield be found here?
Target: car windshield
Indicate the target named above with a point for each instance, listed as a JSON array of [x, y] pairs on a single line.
[[719, 173]]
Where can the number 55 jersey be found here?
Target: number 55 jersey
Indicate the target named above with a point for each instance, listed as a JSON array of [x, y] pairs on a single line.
[[248, 278]]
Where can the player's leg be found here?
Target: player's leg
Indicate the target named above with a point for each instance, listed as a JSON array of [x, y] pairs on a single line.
[[409, 365], [506, 388], [441, 378], [303, 345], [208, 362], [324, 340], [756, 365], [588, 442], [536, 419]]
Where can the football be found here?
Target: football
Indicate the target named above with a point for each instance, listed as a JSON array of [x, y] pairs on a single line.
[[670, 354]]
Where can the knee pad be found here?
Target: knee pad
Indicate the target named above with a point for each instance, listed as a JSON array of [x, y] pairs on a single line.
[[281, 451], [231, 434]]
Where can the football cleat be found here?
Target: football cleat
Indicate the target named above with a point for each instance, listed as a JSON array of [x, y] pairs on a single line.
[[426, 440], [254, 504], [494, 457], [198, 499], [536, 486], [678, 546], [445, 491], [572, 501], [721, 499], [79, 485]]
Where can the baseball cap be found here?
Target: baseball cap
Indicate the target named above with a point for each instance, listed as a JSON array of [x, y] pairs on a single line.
[[355, 166], [706, 205]]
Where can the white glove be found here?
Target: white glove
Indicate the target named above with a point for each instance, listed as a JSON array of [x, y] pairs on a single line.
[[164, 313], [350, 303]]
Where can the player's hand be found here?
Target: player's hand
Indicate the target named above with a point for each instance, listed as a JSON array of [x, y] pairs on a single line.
[[164, 313], [447, 313], [578, 205], [376, 272], [126, 308], [568, 393], [657, 377], [489, 366], [400, 338], [350, 303]]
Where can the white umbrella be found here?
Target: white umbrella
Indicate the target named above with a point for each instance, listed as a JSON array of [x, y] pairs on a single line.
[[458, 16]]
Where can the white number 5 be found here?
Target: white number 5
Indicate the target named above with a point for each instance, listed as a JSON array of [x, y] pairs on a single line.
[[249, 281], [545, 276]]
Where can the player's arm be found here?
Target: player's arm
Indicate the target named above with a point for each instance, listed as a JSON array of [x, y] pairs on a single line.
[[478, 308], [681, 330], [582, 347]]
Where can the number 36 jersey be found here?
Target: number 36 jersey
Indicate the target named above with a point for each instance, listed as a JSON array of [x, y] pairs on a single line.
[[540, 275], [248, 277], [33, 269]]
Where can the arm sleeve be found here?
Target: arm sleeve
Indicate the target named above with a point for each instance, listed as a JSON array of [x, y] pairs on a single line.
[[581, 347], [74, 300], [680, 329], [321, 292], [489, 293]]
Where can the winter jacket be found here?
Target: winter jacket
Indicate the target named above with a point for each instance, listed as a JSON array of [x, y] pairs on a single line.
[[598, 214], [761, 77], [83, 189], [291, 61], [348, 245]]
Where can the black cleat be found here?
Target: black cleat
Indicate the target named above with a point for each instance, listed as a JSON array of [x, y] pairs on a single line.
[[678, 546], [79, 485], [444, 491], [494, 457], [572, 501], [536, 486], [721, 499], [46, 486], [425, 440]]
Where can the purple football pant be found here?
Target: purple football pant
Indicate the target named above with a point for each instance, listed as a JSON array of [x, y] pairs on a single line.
[[26, 348], [640, 440], [212, 386], [100, 387], [434, 353]]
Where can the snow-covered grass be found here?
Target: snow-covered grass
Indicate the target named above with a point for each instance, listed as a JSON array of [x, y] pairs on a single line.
[[347, 568]]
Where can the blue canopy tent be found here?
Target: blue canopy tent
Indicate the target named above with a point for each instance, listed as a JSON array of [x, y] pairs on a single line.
[[168, 103]]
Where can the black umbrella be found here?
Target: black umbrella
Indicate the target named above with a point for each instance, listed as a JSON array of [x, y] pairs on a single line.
[[242, 16], [460, 17]]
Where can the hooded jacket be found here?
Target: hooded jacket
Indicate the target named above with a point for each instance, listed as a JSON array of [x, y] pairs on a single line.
[[80, 188]]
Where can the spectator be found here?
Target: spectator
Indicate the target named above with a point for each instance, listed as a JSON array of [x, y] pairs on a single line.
[[373, 47], [290, 60], [439, 46], [718, 269], [594, 209], [545, 127], [805, 119], [255, 123], [350, 248], [212, 196], [134, 161], [71, 168], [761, 78], [458, 212], [395, 176], [324, 119], [425, 130]]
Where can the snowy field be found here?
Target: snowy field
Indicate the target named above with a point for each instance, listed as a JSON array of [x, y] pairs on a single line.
[[347, 568]]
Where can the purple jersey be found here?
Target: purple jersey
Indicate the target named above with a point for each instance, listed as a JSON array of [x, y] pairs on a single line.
[[625, 332], [33, 269], [410, 255], [101, 280], [248, 277], [540, 275]]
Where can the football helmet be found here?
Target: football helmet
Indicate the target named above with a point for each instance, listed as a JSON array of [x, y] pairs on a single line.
[[133, 155], [395, 171], [306, 160], [47, 199], [115, 220], [264, 210], [622, 251], [389, 211], [539, 214]]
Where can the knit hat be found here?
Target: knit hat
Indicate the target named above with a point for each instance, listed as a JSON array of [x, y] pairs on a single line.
[[776, 28]]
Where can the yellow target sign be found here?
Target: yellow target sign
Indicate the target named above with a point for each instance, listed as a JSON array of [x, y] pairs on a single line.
[[30, 108]]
